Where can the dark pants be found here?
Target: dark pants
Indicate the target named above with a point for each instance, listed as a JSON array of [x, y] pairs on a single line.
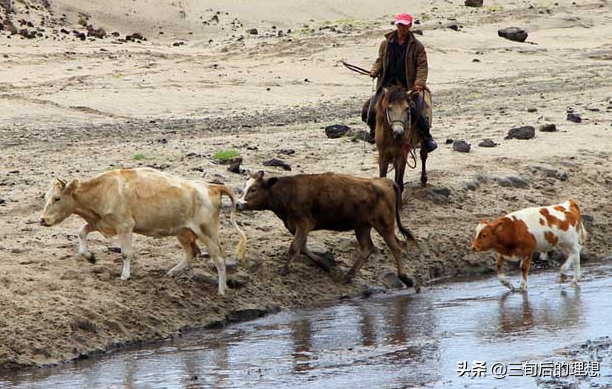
[[416, 111]]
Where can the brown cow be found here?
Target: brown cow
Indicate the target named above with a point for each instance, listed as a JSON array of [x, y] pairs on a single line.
[[330, 201]]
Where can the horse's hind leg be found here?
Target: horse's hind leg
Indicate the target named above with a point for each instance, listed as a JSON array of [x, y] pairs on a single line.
[[423, 167]]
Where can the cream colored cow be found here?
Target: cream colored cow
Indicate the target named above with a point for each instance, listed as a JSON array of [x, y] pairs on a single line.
[[148, 202]]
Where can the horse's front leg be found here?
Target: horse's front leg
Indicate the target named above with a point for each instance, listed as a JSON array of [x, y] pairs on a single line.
[[423, 167], [383, 166]]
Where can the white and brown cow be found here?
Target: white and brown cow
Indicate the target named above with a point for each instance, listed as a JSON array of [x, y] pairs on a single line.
[[147, 202], [517, 236]]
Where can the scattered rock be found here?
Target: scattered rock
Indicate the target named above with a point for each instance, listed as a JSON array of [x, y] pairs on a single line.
[[96, 32], [84, 324], [372, 290], [240, 315], [418, 32], [135, 36], [487, 143], [461, 146], [513, 33], [474, 3], [27, 33], [277, 162], [532, 110], [480, 178], [526, 132], [238, 280], [454, 27], [391, 281], [235, 166], [574, 118], [448, 141], [253, 31], [442, 191], [336, 131], [548, 128], [513, 181], [551, 173], [286, 151], [587, 255], [357, 135], [471, 185], [475, 60]]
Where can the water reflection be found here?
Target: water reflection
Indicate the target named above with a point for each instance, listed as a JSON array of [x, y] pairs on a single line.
[[383, 342], [301, 337], [517, 314]]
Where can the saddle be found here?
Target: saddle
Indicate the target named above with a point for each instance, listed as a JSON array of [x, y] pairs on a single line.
[[428, 108]]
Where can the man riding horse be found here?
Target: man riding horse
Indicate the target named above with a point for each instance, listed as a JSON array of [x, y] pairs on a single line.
[[402, 61]]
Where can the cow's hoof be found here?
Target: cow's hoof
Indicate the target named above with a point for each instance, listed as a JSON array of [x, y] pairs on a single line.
[[124, 278], [284, 271], [406, 280], [92, 258], [564, 278], [417, 289]]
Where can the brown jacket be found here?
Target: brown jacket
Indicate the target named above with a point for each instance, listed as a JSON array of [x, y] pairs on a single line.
[[416, 61]]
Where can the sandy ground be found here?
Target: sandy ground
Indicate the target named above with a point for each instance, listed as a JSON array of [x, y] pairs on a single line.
[[72, 108]]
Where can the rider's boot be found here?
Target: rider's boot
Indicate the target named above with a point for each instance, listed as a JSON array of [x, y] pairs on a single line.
[[423, 126]]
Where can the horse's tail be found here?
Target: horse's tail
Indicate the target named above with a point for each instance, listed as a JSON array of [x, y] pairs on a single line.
[[405, 231]]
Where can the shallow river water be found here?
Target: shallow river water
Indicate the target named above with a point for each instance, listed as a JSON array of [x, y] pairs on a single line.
[[399, 340]]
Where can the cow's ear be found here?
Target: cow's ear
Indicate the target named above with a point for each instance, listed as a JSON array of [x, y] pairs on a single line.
[[70, 188], [259, 175], [271, 182]]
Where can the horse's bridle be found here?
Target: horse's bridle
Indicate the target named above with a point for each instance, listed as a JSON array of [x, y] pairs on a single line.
[[403, 123]]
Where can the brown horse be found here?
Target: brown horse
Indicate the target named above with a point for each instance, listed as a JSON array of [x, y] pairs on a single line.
[[396, 133]]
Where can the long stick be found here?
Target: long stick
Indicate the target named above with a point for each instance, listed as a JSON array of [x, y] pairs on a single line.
[[354, 68]]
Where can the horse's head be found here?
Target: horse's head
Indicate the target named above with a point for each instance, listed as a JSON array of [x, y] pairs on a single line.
[[395, 102]]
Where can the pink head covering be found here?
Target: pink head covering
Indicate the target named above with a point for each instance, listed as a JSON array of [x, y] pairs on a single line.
[[403, 18]]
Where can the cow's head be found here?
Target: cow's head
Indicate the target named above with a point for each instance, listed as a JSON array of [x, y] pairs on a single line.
[[485, 237], [256, 192], [59, 203]]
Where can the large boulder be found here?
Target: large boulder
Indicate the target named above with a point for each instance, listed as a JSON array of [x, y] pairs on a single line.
[[473, 3], [336, 130], [513, 33], [526, 132]]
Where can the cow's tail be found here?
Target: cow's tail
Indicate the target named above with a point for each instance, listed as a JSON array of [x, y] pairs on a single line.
[[241, 248], [405, 231], [582, 232]]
